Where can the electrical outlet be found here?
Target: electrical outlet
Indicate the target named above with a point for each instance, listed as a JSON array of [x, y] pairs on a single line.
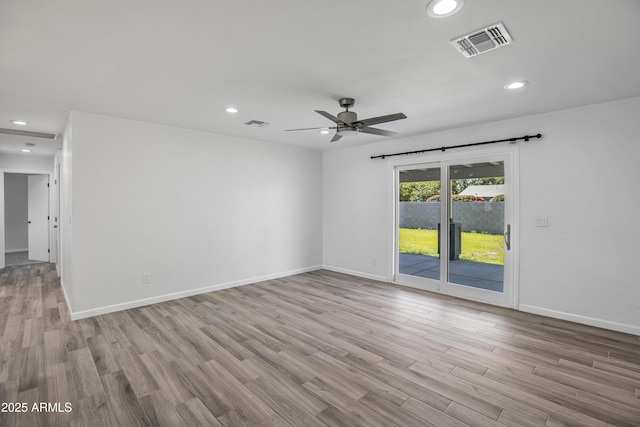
[[146, 277], [374, 261]]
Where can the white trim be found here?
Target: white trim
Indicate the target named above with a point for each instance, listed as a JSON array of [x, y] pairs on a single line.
[[514, 193], [510, 155], [357, 273], [463, 154], [393, 234], [475, 294], [64, 292], [27, 171], [15, 251], [2, 230], [76, 315], [576, 318], [585, 320], [414, 285], [504, 298]]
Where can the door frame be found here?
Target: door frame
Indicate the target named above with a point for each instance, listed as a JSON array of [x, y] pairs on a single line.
[[510, 153], [52, 185]]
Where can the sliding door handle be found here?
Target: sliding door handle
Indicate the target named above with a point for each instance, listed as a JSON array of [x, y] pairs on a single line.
[[507, 237]]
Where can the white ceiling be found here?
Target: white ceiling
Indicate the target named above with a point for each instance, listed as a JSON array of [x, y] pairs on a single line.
[[181, 63]]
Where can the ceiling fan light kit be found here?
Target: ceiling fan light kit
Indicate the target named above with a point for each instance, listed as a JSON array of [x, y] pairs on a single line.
[[347, 122]]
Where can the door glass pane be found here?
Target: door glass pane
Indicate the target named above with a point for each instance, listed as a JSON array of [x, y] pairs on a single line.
[[419, 219], [476, 211]]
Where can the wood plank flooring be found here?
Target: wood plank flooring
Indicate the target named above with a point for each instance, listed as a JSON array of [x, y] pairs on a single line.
[[314, 349]]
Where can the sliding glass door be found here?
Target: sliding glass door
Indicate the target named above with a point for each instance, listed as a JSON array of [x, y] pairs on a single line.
[[454, 232], [419, 221]]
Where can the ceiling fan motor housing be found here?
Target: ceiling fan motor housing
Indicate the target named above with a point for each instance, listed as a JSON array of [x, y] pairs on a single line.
[[348, 116]]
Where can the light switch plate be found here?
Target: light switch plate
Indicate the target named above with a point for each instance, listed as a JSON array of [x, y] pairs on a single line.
[[542, 221]]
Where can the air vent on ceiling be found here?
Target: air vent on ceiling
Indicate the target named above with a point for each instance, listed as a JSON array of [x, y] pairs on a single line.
[[28, 133], [256, 123], [483, 40]]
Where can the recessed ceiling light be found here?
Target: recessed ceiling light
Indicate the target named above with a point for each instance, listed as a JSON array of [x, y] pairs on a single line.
[[444, 8], [324, 131], [24, 150], [516, 85], [18, 122], [231, 110]]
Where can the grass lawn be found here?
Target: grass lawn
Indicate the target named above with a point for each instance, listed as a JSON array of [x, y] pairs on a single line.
[[488, 248]]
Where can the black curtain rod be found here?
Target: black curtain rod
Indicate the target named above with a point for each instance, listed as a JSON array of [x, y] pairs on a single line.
[[510, 140]]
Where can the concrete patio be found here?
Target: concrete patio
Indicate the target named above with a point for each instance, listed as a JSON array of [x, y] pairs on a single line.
[[469, 273]]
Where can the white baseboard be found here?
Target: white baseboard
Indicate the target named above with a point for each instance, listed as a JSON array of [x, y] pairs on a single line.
[[357, 273], [76, 315], [585, 320], [14, 251]]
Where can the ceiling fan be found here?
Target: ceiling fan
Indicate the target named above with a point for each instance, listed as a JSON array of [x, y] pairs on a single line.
[[347, 122]]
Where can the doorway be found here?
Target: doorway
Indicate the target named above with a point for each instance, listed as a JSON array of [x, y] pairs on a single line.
[[455, 228], [26, 218]]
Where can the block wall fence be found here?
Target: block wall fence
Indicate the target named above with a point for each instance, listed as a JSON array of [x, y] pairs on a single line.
[[482, 217]]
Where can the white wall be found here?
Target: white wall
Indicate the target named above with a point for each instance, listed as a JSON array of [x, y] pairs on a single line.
[[581, 267], [15, 212], [196, 210], [26, 163], [64, 159]]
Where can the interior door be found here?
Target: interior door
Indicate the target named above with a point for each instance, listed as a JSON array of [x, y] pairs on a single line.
[[38, 217], [455, 229]]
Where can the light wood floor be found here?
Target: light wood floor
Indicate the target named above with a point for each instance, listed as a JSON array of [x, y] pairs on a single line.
[[315, 349]]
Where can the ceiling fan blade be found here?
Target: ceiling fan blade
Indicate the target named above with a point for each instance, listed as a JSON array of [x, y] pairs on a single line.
[[336, 137], [289, 130], [331, 117], [382, 119], [375, 131]]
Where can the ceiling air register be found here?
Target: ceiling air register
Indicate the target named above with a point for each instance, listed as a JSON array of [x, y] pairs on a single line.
[[484, 40]]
